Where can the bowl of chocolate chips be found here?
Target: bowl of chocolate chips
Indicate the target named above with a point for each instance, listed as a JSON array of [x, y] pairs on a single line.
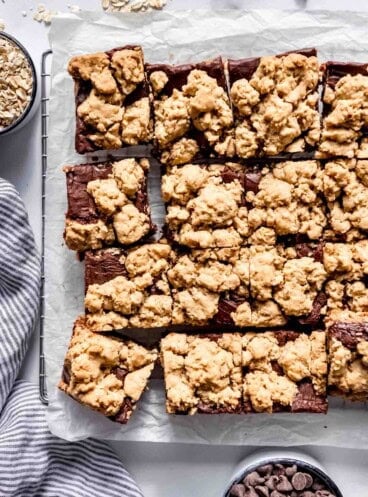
[[18, 85], [281, 474]]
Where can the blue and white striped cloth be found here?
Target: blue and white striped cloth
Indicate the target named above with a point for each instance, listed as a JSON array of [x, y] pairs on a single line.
[[32, 461]]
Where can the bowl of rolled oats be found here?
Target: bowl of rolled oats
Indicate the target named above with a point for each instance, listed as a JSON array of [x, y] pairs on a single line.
[[18, 85]]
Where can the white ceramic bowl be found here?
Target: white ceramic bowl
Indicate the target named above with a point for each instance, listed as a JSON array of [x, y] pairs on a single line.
[[29, 111], [281, 456]]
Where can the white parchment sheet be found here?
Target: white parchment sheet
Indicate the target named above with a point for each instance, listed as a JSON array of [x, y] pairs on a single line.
[[175, 37]]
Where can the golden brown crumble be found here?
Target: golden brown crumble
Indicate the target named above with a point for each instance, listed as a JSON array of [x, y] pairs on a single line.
[[277, 107], [92, 360], [82, 237], [201, 372], [346, 301]]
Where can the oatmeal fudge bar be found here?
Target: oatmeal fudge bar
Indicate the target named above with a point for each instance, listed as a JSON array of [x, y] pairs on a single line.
[[284, 371], [107, 204], [285, 200], [345, 188], [286, 285], [128, 288], [112, 99], [202, 373], [348, 360], [104, 373], [192, 113], [345, 116], [210, 287], [205, 205], [275, 102]]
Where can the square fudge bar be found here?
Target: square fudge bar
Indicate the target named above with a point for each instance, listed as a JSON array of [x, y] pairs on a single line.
[[275, 101], [285, 199], [348, 359], [345, 188], [210, 287], [286, 285], [192, 112], [345, 117], [128, 288], [104, 373], [284, 371], [107, 204], [202, 373], [112, 99], [205, 205]]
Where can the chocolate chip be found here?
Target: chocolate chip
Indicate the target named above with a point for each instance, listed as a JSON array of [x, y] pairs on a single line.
[[279, 470], [323, 493], [271, 482], [309, 480], [307, 493], [250, 492], [275, 493], [299, 481], [317, 485], [262, 491], [237, 490], [253, 479], [284, 485], [265, 470], [291, 470]]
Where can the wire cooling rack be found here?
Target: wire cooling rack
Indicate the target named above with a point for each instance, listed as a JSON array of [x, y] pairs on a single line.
[[45, 97]]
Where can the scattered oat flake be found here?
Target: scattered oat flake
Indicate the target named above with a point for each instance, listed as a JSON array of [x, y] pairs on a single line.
[[128, 6], [2, 25], [43, 14]]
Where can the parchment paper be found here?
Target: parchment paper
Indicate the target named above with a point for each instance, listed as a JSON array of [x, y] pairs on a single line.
[[176, 37]]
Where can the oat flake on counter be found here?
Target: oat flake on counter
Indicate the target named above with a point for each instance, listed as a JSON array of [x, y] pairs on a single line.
[[15, 82], [128, 6]]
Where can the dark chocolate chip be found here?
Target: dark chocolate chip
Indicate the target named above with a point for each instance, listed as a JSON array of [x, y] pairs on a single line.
[[262, 491], [265, 470], [299, 481], [276, 493], [250, 492], [237, 490], [317, 485], [67, 371], [309, 480], [120, 373], [323, 493], [291, 470], [271, 482], [283, 484], [279, 469], [253, 479], [307, 493]]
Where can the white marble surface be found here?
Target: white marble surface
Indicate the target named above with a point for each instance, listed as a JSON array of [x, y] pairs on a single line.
[[161, 470]]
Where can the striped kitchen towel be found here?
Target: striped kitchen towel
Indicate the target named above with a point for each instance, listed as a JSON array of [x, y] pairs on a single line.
[[33, 462]]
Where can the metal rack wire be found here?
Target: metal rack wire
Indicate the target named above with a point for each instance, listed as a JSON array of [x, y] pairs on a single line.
[[45, 89]]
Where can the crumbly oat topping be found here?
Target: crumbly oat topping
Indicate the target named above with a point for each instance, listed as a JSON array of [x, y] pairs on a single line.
[[128, 6], [201, 103], [201, 372], [288, 201], [346, 261], [343, 126], [348, 369], [81, 237], [110, 123], [195, 306], [277, 106], [94, 359], [345, 186], [346, 302], [16, 83], [130, 224], [205, 207], [296, 360]]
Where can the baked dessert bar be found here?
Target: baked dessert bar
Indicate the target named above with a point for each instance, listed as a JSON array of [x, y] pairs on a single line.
[[205, 205], [345, 188], [345, 116], [112, 99], [202, 373], [192, 113], [107, 204], [286, 285], [210, 287], [128, 288], [275, 102], [348, 359], [105, 373], [284, 371], [285, 199]]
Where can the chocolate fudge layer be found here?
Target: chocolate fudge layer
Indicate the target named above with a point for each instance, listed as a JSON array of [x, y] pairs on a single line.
[[112, 99], [275, 102], [286, 285], [348, 359], [345, 117], [285, 199], [202, 373], [104, 373], [345, 188], [205, 205], [209, 286], [192, 113], [284, 371], [107, 204], [128, 288]]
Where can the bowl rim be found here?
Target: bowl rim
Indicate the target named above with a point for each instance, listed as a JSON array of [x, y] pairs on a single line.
[[309, 467], [27, 55]]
